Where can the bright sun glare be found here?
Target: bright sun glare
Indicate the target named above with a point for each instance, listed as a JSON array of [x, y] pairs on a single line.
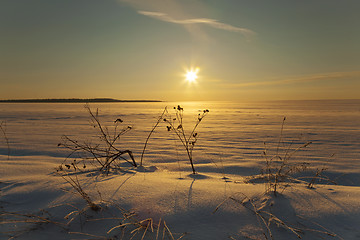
[[191, 75]]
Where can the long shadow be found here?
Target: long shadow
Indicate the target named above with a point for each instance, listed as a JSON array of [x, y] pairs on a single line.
[[348, 211], [183, 201], [303, 197], [194, 177], [122, 184], [190, 194]]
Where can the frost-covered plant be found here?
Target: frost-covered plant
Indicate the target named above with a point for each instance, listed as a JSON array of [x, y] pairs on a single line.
[[104, 153], [188, 141]]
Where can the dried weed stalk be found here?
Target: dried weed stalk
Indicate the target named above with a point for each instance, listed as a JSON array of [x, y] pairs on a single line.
[[3, 131], [160, 118], [75, 184], [188, 141], [104, 153]]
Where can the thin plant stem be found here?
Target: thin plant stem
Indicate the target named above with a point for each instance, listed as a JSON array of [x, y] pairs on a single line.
[[6, 138], [151, 132]]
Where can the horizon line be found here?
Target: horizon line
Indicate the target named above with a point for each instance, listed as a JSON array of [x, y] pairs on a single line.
[[71, 100]]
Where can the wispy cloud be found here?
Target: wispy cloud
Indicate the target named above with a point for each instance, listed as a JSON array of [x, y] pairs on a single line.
[[207, 21], [304, 79]]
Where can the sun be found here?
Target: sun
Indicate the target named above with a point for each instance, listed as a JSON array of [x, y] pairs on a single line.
[[191, 75]]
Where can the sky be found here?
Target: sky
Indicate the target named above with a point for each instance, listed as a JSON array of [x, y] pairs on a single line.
[[142, 49]]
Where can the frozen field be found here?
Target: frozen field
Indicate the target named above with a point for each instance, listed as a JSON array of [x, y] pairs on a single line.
[[230, 143], [233, 132]]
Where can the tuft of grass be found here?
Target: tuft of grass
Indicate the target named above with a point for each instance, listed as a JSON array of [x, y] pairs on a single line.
[[269, 219], [279, 169], [105, 153], [147, 227], [264, 218], [75, 184]]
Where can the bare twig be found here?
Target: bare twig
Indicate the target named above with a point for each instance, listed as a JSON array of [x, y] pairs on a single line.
[[3, 130], [104, 153], [151, 132]]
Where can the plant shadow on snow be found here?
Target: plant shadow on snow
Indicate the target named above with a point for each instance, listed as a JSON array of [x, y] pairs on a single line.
[[198, 176]]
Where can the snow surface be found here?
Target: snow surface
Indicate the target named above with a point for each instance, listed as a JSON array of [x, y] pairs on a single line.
[[202, 206]]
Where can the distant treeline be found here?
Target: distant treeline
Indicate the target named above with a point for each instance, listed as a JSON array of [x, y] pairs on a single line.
[[72, 100]]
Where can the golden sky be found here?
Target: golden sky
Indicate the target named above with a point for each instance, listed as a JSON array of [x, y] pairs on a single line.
[[142, 49]]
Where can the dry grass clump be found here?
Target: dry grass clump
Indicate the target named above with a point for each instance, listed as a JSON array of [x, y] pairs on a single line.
[[104, 152], [274, 213], [265, 217], [279, 171], [75, 184], [147, 228]]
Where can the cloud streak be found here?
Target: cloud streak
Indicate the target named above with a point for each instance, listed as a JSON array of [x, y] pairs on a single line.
[[312, 78], [206, 21]]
